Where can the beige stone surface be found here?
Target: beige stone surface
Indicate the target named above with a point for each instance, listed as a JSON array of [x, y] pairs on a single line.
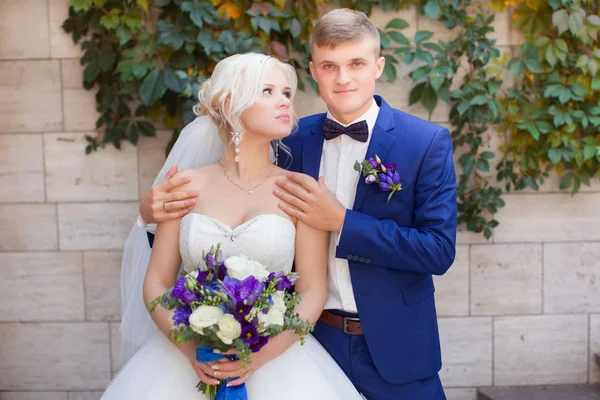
[[151, 157], [30, 96], [28, 227], [24, 29], [452, 288], [95, 226], [540, 350], [108, 174], [85, 395], [506, 279], [79, 104], [33, 396], [54, 356], [41, 287], [61, 44], [548, 217], [571, 277], [594, 347], [460, 393], [101, 273], [466, 351], [21, 168]]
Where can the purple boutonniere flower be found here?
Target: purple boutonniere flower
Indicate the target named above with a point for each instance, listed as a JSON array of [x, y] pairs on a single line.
[[384, 175]]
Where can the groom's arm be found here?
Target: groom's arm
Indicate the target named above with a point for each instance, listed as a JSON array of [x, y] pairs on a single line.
[[428, 245]]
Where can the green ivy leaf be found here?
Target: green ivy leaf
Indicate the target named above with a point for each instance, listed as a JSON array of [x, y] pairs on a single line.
[[415, 94], [579, 89], [397, 23], [551, 57], [92, 70], [265, 25], [390, 71], [560, 19], [422, 36], [132, 134], [429, 99], [384, 40], [432, 9], [554, 155], [172, 81], [561, 45], [566, 181], [153, 87], [594, 20], [145, 128], [81, 5], [295, 28], [487, 155], [399, 38], [589, 152]]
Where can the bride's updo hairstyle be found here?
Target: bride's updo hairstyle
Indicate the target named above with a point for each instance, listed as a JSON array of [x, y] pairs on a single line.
[[238, 82]]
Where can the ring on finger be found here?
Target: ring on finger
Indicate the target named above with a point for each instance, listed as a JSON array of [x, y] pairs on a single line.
[[165, 206]]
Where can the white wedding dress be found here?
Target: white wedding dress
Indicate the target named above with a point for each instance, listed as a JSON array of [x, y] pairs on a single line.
[[159, 371]]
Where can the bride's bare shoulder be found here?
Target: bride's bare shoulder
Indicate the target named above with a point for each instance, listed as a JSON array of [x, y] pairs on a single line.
[[198, 177]]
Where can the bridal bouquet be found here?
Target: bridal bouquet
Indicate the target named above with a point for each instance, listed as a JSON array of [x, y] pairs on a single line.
[[231, 304]]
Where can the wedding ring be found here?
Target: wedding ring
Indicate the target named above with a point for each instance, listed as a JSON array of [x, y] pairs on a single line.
[[164, 206]]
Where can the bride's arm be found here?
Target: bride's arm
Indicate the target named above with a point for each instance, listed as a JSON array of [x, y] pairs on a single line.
[[311, 266], [162, 274]]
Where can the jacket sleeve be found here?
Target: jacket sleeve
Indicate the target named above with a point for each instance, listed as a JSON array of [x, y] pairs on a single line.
[[428, 245]]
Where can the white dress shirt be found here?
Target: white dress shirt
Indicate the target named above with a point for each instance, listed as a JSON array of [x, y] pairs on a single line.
[[337, 167]]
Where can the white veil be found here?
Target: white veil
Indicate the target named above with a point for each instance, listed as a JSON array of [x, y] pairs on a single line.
[[199, 144]]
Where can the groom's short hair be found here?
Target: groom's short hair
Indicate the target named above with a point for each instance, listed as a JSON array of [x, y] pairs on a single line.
[[343, 26]]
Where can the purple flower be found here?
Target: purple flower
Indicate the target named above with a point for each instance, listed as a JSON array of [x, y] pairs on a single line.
[[179, 288], [182, 316], [210, 261], [385, 178], [262, 340], [249, 289], [221, 271], [283, 283], [241, 310], [396, 178], [187, 296], [250, 334], [373, 162], [390, 167], [384, 186]]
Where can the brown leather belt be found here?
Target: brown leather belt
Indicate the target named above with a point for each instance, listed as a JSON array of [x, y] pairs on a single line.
[[349, 325]]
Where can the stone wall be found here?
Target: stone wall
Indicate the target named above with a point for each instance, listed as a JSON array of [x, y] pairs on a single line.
[[521, 309]]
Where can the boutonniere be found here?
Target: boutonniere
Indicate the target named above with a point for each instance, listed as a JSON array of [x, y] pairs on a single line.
[[384, 175]]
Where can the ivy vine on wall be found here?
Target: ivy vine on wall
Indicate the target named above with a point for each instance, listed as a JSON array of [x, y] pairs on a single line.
[[148, 58]]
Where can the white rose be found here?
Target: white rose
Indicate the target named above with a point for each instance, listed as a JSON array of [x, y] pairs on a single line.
[[203, 317], [229, 329], [278, 301], [273, 317], [240, 267]]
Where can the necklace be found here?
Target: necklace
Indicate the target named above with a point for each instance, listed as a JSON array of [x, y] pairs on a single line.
[[251, 190]]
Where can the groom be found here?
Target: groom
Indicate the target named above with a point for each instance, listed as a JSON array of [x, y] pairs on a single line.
[[380, 322]]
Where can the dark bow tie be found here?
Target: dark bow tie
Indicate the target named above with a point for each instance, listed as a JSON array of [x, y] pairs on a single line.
[[358, 131]]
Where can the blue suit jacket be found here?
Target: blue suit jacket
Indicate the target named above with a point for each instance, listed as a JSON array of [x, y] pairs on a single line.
[[394, 248]]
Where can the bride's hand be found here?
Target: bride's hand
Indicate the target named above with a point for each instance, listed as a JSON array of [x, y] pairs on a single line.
[[162, 205], [225, 368]]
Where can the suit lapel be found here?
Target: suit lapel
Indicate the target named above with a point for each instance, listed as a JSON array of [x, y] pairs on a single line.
[[312, 149], [380, 145]]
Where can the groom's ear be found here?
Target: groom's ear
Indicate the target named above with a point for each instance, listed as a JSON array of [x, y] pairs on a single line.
[[311, 66]]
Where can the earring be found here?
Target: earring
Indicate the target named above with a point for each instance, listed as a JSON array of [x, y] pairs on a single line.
[[276, 152], [236, 139]]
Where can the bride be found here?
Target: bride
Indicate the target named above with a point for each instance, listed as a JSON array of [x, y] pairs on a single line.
[[244, 109]]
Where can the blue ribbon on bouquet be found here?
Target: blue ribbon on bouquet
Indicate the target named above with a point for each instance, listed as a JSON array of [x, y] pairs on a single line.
[[206, 354]]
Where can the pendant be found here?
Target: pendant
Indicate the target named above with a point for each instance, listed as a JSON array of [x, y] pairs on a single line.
[[251, 191]]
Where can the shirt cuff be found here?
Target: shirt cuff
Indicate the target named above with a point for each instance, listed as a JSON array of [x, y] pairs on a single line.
[[147, 227], [337, 242]]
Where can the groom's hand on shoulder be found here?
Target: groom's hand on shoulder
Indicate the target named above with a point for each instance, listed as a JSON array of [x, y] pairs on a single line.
[[310, 201]]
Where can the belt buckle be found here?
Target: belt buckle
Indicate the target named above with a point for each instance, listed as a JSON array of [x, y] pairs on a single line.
[[345, 324]]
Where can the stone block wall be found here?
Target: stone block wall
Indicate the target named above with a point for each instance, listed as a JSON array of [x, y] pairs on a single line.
[[520, 309]]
